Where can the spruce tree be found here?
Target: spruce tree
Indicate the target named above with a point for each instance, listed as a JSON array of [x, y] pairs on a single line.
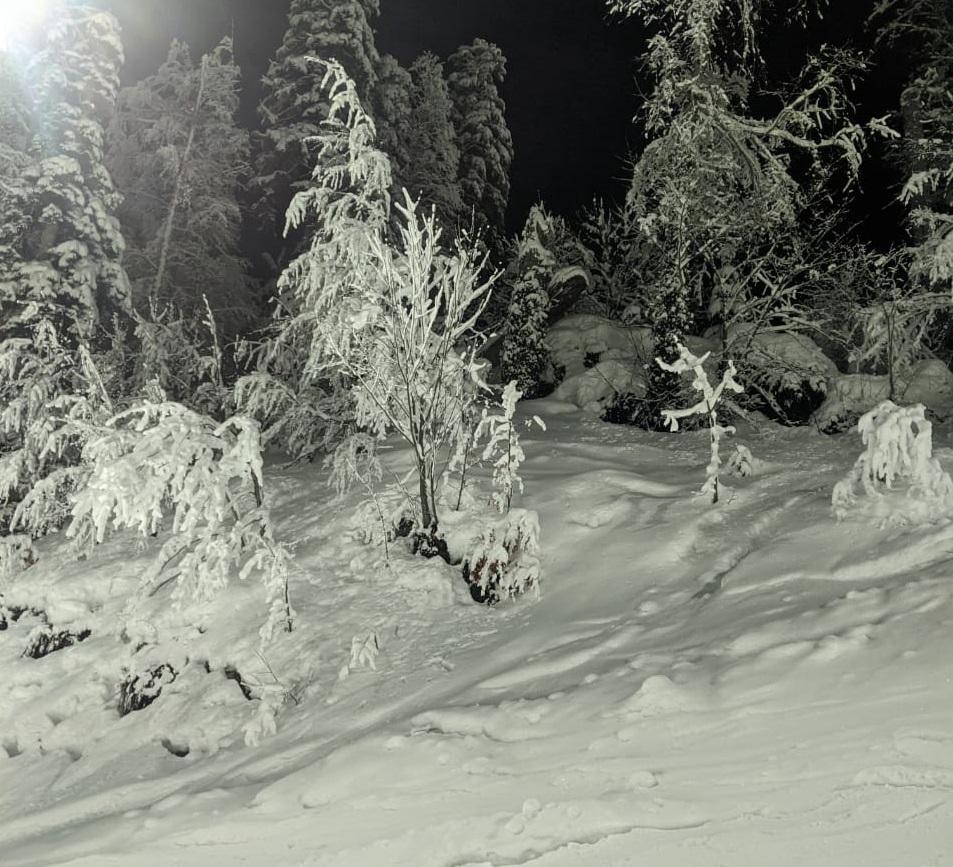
[[524, 347], [179, 157], [391, 112], [294, 106], [60, 242], [475, 76], [60, 268], [433, 157]]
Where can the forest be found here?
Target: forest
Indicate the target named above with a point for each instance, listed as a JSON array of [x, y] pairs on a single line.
[[332, 488]]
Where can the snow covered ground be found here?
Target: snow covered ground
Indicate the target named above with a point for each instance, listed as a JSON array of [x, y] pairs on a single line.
[[748, 684]]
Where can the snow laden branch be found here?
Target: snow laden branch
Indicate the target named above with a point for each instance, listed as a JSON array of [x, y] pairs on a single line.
[[162, 466], [52, 400], [502, 448], [898, 455], [412, 351], [377, 320], [707, 406]]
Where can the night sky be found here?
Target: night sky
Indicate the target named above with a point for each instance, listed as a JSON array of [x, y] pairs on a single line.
[[571, 92]]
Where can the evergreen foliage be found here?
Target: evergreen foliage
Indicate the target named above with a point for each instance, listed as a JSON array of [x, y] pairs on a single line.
[[392, 113], [475, 76], [179, 158], [922, 30], [524, 347], [60, 242], [433, 163], [295, 107]]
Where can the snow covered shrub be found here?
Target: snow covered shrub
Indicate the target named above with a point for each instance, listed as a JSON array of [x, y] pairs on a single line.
[[161, 462], [707, 406], [503, 447], [52, 399], [181, 355], [503, 562], [138, 691], [16, 555], [364, 652], [898, 451], [742, 463], [45, 639]]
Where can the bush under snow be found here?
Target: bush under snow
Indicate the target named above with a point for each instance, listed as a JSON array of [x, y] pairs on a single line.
[[896, 473]]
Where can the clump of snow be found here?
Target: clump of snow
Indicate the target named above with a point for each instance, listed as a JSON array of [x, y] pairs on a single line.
[[898, 456], [783, 359], [591, 389], [576, 337], [849, 396]]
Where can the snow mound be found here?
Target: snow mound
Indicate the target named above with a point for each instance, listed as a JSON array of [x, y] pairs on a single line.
[[659, 696], [575, 337], [593, 388]]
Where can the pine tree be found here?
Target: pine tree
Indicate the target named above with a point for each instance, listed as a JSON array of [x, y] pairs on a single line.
[[475, 76], [294, 105], [392, 107], [547, 264], [60, 242], [179, 157], [433, 157]]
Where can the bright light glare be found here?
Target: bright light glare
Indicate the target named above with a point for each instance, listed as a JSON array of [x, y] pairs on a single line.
[[19, 17]]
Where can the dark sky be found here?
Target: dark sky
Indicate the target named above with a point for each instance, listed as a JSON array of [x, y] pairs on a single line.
[[570, 91]]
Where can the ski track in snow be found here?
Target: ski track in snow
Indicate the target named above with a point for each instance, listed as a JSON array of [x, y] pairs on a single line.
[[741, 684]]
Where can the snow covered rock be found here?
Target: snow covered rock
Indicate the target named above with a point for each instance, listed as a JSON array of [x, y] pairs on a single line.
[[849, 396], [592, 389], [581, 339], [930, 383]]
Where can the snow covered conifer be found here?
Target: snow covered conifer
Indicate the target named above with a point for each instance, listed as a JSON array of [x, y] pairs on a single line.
[[392, 109], [475, 76], [60, 242], [525, 355], [179, 157], [898, 452], [503, 448], [52, 400], [922, 32], [707, 406], [295, 105], [433, 158]]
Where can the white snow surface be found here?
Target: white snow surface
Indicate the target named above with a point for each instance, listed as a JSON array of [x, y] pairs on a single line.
[[745, 684]]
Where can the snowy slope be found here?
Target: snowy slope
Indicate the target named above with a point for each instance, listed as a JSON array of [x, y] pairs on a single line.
[[743, 685]]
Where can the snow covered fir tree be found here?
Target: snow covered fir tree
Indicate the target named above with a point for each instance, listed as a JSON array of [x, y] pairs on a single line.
[[476, 433]]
